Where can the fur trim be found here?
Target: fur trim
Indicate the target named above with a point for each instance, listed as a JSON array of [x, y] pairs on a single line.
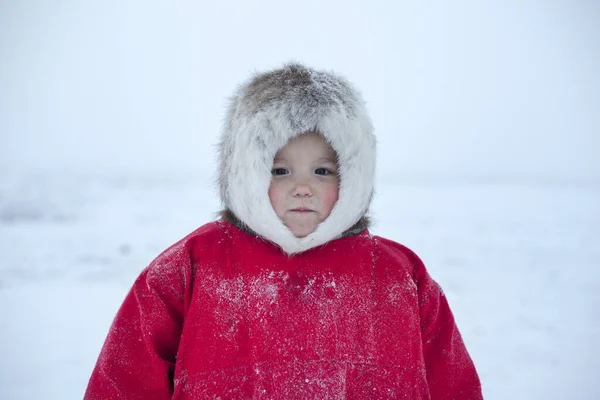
[[359, 227], [264, 114]]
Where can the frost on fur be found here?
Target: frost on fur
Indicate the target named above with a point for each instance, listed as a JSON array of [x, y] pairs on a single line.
[[264, 114]]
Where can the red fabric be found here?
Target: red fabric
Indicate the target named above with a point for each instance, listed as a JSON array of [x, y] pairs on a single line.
[[223, 314]]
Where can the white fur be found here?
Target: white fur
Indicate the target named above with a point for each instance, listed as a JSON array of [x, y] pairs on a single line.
[[268, 111]]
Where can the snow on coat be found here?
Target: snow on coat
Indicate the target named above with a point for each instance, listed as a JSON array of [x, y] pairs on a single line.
[[223, 314]]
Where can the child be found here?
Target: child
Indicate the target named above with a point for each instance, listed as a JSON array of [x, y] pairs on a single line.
[[288, 295]]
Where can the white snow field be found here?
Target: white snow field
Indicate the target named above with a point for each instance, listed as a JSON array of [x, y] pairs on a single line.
[[518, 259]]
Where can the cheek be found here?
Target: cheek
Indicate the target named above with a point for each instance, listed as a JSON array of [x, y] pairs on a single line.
[[330, 196], [276, 196]]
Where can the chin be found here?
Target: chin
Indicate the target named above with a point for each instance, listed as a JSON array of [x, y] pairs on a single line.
[[302, 232]]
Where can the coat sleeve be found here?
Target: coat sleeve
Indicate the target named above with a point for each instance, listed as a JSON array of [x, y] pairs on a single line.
[[450, 372], [138, 358]]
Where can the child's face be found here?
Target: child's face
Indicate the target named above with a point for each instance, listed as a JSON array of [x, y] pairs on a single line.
[[304, 184]]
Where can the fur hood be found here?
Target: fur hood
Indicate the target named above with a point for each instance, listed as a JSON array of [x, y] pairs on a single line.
[[264, 114]]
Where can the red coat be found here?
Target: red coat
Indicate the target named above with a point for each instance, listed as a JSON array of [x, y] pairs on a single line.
[[225, 315]]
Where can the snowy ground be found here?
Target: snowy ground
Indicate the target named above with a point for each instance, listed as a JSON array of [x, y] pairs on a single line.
[[519, 261]]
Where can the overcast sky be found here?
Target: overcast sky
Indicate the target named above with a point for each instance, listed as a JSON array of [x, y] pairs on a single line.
[[497, 88]]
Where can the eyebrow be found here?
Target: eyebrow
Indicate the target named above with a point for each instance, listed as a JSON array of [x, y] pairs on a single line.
[[327, 159]]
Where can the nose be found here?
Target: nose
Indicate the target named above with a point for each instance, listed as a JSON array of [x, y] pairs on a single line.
[[302, 190]]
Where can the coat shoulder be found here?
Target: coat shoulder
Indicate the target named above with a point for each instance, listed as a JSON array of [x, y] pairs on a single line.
[[209, 231], [178, 260], [395, 253]]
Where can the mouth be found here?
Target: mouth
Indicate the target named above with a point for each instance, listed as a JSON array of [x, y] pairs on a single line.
[[302, 210]]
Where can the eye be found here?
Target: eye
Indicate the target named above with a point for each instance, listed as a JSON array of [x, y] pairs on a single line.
[[323, 171], [279, 171]]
